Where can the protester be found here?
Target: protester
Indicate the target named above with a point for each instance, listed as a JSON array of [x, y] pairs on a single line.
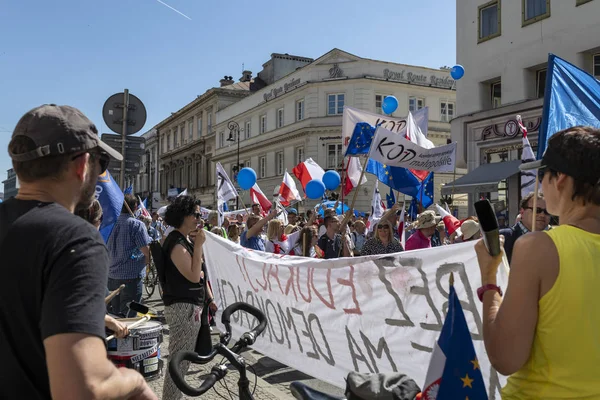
[[470, 231], [359, 236], [256, 209], [157, 225], [292, 216], [213, 222], [333, 244], [384, 241], [217, 231], [234, 233], [185, 290], [251, 237], [153, 233], [523, 226], [306, 246], [129, 255], [54, 266], [425, 227], [544, 331], [93, 215], [277, 241]]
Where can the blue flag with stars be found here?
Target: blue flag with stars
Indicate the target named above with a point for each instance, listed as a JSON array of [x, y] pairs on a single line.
[[462, 375], [390, 198], [361, 139], [413, 209], [404, 181]]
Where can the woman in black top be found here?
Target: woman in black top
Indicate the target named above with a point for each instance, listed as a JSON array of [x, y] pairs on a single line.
[[184, 289], [384, 241]]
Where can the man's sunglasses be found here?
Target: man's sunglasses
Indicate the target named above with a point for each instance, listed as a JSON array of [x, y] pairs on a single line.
[[197, 215], [538, 210], [103, 159]]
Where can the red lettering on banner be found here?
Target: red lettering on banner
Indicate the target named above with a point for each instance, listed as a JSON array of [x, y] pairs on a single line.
[[264, 278], [248, 275], [237, 260], [350, 282], [290, 284], [308, 279], [331, 303], [275, 275]]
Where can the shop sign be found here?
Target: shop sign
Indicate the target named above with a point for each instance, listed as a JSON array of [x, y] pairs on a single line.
[[509, 129]]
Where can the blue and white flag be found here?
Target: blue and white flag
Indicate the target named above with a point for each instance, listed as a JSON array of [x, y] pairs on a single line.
[[572, 98], [109, 194]]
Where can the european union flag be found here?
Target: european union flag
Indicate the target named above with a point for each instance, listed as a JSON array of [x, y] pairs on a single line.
[[571, 98], [390, 198], [413, 209], [111, 198], [462, 374], [129, 190], [361, 139], [404, 181]]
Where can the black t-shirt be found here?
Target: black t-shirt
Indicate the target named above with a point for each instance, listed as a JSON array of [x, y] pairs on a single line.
[[53, 275], [331, 248]]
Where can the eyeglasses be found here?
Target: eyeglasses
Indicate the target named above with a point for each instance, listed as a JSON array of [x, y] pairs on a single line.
[[103, 159], [383, 227], [538, 210], [197, 215]]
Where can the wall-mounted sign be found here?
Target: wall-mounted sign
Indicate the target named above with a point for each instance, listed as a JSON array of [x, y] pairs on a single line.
[[282, 89], [509, 129], [420, 79], [330, 138]]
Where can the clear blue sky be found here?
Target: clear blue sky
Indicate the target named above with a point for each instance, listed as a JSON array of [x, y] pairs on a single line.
[[79, 52]]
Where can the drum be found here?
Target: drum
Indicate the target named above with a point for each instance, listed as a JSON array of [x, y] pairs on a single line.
[[140, 350]]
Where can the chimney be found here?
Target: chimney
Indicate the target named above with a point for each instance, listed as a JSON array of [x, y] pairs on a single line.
[[246, 76], [226, 81]]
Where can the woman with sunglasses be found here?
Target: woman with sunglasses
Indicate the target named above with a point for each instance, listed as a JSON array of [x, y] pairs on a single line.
[[185, 289], [383, 242], [306, 246]]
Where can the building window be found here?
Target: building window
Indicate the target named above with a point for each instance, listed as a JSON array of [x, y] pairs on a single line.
[[335, 104], [209, 121], [191, 129], [199, 126], [496, 92], [334, 156], [299, 110], [447, 111], [263, 167], [182, 134], [198, 174], [263, 124], [189, 177], [534, 11], [489, 21], [299, 155], [280, 117], [181, 177], [596, 71], [221, 139], [540, 77], [168, 141], [279, 160], [248, 131], [415, 103], [164, 145]]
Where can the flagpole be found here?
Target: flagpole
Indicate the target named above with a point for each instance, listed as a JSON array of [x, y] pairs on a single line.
[[351, 209], [243, 204], [342, 184]]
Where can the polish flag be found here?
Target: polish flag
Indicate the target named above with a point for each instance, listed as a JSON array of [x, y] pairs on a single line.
[[415, 135], [353, 172], [307, 171], [401, 227], [142, 209], [450, 221], [527, 177], [288, 191], [259, 197]]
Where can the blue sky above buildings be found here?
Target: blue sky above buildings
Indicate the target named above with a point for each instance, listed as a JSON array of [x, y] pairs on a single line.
[[81, 52]]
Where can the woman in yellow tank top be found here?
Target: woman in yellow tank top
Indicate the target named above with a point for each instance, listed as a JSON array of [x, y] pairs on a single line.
[[545, 331]]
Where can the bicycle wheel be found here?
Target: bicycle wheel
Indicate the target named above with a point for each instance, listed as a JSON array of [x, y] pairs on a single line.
[[150, 281]]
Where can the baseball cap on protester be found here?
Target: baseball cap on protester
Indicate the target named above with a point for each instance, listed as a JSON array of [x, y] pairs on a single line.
[[553, 160], [58, 130]]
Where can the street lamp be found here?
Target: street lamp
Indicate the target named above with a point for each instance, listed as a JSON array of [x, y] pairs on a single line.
[[235, 127]]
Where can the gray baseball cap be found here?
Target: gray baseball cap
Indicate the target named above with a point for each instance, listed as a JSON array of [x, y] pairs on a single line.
[[59, 130]]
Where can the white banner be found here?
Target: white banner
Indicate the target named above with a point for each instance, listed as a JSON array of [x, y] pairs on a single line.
[[369, 314], [353, 116], [393, 150]]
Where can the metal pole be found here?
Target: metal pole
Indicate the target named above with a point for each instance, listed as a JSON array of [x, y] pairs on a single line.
[[125, 109], [149, 197], [237, 199]]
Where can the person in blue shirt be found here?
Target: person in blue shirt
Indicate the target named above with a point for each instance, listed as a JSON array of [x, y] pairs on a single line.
[[251, 237]]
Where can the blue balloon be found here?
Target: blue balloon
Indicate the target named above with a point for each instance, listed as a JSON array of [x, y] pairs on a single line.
[[246, 178], [315, 189], [389, 105], [332, 180], [457, 72]]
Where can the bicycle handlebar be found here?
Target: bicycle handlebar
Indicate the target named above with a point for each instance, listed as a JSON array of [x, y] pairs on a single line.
[[218, 371]]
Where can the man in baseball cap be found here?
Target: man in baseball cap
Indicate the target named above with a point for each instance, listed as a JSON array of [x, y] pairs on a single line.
[[54, 266]]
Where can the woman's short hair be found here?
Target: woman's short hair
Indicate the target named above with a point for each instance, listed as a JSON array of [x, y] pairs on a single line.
[[180, 208], [273, 229]]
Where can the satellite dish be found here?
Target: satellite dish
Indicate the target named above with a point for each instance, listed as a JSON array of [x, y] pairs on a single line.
[[112, 113]]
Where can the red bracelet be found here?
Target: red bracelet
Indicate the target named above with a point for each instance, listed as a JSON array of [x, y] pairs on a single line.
[[487, 287]]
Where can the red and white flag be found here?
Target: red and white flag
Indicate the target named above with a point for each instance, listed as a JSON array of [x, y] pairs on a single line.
[[142, 208], [259, 197], [353, 172], [450, 221], [527, 177], [307, 171], [288, 191]]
